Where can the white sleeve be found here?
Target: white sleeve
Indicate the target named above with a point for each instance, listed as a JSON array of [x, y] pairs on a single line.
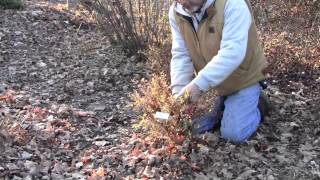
[[181, 67], [237, 22]]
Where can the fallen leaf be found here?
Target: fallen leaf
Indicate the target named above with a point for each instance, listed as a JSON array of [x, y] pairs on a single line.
[[82, 113], [183, 158], [135, 152]]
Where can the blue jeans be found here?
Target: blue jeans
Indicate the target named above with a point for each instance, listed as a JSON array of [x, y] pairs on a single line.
[[241, 116]]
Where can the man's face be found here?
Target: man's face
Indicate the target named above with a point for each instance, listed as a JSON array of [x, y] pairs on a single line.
[[191, 5]]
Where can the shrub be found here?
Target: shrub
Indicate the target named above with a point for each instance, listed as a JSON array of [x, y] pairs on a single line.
[[155, 96], [159, 59], [135, 24], [11, 4]]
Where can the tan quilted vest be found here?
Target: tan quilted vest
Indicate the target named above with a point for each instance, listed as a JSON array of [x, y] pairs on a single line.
[[204, 44]]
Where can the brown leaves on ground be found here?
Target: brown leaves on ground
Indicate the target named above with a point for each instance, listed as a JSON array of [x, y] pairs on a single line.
[[7, 95], [98, 174], [69, 120], [290, 34]]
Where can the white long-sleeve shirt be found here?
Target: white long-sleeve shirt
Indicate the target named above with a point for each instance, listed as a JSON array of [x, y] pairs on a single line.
[[237, 22]]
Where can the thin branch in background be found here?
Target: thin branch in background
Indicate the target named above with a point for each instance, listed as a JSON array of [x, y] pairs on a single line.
[[136, 25]]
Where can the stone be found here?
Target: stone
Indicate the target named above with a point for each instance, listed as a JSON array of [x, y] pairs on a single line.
[[79, 165], [90, 84], [16, 178], [97, 107], [26, 155], [270, 177], [18, 33], [36, 13], [102, 143], [41, 64], [153, 160], [50, 82], [18, 44], [12, 70], [125, 88]]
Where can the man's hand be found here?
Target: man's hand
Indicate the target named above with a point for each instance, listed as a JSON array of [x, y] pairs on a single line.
[[192, 90]]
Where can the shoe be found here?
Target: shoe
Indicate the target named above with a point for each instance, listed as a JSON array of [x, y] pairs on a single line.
[[264, 106], [209, 120]]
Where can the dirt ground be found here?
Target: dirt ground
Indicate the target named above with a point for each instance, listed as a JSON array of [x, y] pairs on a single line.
[[64, 91]]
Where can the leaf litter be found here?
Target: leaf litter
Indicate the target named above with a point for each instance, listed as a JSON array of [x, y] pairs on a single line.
[[64, 93]]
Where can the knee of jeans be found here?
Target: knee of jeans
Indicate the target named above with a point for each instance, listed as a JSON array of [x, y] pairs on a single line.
[[233, 134]]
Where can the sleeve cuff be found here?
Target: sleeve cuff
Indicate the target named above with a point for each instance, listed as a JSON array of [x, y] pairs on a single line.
[[201, 83]]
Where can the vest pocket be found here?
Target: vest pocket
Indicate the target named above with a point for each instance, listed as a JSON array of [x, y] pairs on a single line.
[[239, 72]]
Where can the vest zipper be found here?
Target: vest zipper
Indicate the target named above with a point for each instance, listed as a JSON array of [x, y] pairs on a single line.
[[198, 41]]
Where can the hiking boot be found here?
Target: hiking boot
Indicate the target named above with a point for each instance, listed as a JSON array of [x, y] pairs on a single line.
[[209, 120], [264, 106]]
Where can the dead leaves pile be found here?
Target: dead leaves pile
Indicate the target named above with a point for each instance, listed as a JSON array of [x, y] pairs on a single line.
[[65, 96]]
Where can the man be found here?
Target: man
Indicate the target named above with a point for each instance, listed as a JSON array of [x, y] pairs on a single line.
[[218, 40]]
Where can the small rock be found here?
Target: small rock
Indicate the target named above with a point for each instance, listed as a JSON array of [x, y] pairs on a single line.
[[314, 164], [153, 160], [45, 177], [36, 13], [112, 136], [97, 107], [1, 168], [40, 126], [90, 84], [41, 64], [133, 58], [12, 70], [17, 44], [78, 176], [125, 88], [64, 111], [115, 72], [17, 33], [101, 143], [34, 75], [26, 155], [16, 178], [61, 98], [105, 71], [79, 165], [50, 82], [270, 177]]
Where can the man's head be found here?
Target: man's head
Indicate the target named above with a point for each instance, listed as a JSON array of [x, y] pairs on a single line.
[[191, 5]]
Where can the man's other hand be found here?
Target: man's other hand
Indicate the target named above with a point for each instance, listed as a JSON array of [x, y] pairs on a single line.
[[192, 90]]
